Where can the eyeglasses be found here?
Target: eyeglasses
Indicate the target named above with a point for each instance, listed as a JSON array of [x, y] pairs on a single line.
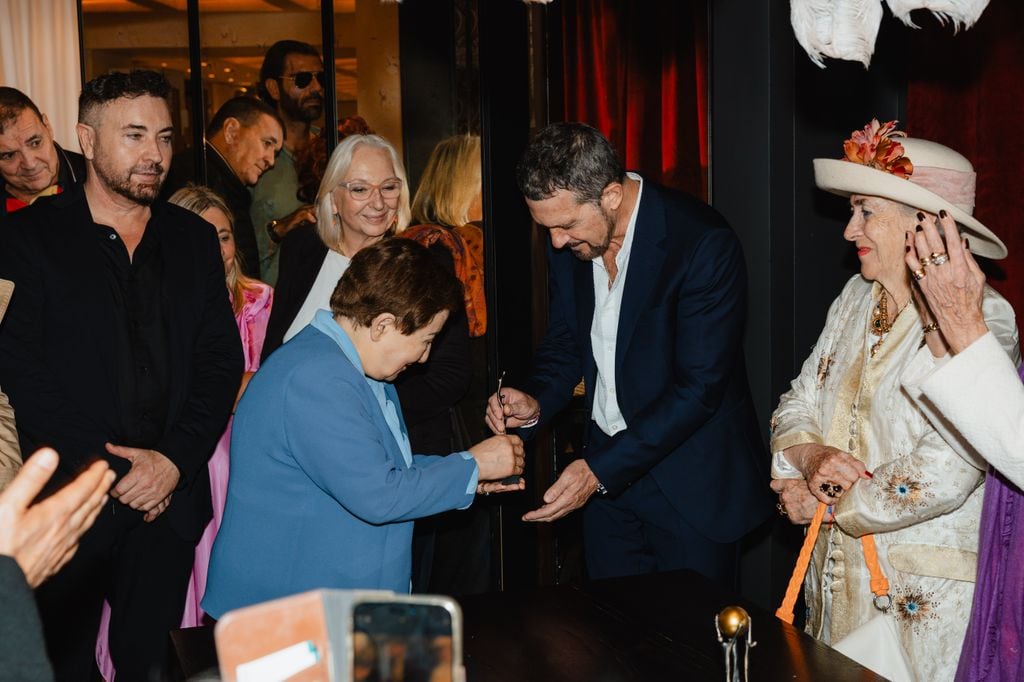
[[304, 78], [362, 191]]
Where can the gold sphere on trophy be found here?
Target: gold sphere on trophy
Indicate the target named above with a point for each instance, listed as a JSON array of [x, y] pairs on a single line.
[[733, 621]]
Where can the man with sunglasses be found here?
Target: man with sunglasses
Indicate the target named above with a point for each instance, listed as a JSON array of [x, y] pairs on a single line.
[[292, 81]]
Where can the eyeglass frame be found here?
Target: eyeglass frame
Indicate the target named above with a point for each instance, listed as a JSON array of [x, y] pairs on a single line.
[[373, 188], [320, 76]]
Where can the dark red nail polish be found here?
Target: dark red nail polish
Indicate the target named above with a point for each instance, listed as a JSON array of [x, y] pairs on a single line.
[[920, 216], [908, 249], [870, 475], [919, 228], [967, 242], [942, 213]]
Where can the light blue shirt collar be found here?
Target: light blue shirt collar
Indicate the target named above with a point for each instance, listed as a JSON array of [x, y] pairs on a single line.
[[324, 322]]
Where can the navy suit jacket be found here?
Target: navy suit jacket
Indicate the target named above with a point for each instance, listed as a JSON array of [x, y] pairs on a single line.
[[680, 376]]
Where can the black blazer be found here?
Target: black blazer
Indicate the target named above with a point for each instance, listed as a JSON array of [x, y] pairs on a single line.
[[680, 378], [56, 344], [427, 392], [222, 180]]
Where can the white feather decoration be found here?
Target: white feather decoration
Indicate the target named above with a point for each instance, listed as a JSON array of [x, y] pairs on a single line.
[[957, 12], [841, 29]]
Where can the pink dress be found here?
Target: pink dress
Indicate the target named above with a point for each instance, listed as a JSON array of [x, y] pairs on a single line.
[[252, 326]]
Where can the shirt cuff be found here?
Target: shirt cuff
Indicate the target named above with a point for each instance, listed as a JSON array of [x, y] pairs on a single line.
[[473, 479]]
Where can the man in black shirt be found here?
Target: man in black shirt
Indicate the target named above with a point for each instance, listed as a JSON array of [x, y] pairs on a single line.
[[242, 142], [121, 344]]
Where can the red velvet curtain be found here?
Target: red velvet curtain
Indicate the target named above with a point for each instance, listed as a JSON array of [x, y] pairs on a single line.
[[637, 72], [965, 91]]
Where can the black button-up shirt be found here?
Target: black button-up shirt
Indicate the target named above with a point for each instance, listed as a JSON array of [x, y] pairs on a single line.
[[142, 354]]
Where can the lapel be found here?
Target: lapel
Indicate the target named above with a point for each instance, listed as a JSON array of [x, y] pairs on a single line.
[[181, 301], [583, 284], [392, 394], [646, 259]]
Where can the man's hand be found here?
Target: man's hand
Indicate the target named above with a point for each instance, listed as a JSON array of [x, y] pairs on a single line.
[[797, 501], [519, 408], [570, 492], [43, 537], [149, 483], [498, 457]]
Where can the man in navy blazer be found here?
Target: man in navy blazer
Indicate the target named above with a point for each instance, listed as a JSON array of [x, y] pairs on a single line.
[[648, 302]]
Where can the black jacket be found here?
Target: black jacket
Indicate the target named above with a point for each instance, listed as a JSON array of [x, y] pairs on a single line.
[[58, 339], [222, 180]]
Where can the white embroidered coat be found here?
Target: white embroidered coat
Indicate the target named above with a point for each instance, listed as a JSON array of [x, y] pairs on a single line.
[[923, 503]]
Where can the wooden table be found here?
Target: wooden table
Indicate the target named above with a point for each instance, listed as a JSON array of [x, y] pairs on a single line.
[[658, 627], [644, 628]]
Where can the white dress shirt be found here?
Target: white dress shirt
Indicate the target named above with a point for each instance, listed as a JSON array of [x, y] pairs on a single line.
[[605, 327]]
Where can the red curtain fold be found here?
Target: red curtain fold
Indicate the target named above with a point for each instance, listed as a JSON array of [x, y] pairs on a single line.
[[637, 72], [964, 91]]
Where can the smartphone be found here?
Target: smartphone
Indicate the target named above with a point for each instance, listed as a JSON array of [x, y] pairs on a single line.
[[406, 638]]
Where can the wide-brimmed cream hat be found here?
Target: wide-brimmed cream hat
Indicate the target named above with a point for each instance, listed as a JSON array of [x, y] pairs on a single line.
[[941, 179]]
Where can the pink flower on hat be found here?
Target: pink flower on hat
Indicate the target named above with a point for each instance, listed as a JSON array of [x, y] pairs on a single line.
[[876, 147]]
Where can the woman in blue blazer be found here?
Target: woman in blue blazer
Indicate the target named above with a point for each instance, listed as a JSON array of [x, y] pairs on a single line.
[[324, 487]]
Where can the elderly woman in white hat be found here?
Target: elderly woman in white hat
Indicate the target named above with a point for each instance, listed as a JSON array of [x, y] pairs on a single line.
[[891, 574]]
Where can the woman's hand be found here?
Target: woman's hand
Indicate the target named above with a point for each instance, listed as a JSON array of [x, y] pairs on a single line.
[[828, 471], [932, 336], [498, 457], [795, 501], [954, 286]]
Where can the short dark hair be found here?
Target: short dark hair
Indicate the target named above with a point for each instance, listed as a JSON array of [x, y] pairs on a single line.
[[246, 109], [569, 156], [117, 85], [12, 103], [397, 276], [273, 63]]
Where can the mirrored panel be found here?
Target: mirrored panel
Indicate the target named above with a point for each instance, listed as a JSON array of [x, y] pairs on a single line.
[[120, 35]]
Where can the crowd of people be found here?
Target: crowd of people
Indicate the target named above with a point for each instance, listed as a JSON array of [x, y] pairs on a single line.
[[255, 378]]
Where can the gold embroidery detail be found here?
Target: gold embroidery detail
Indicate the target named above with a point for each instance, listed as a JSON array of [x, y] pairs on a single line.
[[902, 492], [824, 364], [916, 608]]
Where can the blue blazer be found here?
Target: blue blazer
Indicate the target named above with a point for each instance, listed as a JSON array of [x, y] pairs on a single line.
[[319, 495], [680, 377]]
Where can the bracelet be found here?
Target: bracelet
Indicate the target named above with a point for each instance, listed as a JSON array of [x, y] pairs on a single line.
[[601, 490], [272, 231], [933, 327]]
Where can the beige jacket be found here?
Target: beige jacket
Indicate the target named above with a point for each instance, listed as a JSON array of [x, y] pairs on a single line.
[[10, 453]]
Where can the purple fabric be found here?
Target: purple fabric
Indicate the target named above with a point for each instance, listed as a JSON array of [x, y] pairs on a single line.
[[995, 636]]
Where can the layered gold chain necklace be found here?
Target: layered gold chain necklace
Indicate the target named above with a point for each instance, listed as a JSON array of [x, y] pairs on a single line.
[[880, 323]]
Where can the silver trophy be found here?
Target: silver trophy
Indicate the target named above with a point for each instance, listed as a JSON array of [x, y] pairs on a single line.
[[732, 625]]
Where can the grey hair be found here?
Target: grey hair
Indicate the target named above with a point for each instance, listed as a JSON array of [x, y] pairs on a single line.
[[326, 226]]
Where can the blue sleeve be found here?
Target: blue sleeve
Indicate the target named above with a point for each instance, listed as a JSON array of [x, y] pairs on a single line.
[[332, 434]]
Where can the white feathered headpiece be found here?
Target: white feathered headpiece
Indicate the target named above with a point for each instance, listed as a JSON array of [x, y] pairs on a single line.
[[846, 29]]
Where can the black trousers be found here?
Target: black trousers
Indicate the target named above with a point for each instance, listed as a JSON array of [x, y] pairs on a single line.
[[143, 570], [640, 531]]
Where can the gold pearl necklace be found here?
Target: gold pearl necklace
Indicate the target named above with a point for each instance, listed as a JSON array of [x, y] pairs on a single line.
[[880, 324]]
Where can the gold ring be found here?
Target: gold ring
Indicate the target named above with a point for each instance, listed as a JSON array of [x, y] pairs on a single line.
[[926, 261], [919, 274]]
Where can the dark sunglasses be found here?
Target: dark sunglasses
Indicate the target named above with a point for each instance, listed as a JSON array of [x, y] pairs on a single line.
[[304, 78]]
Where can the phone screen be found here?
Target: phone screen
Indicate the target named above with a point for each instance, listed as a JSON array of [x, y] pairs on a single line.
[[402, 642]]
